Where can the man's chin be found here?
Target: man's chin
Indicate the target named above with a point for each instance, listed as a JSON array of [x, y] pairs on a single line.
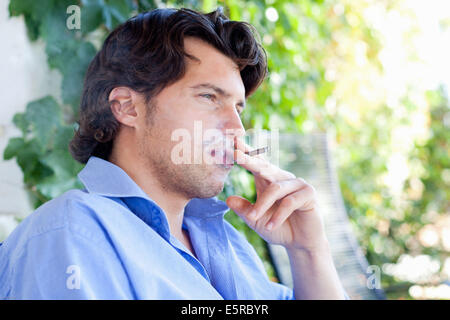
[[211, 192], [212, 188], [210, 182]]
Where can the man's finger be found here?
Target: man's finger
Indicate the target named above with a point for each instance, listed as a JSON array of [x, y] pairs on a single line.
[[274, 192], [245, 148], [254, 164], [241, 145], [262, 167], [302, 200], [239, 205]]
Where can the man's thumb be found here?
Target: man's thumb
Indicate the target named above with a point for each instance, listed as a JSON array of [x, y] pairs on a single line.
[[239, 205]]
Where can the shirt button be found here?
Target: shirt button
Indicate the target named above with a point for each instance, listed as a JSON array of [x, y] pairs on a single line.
[[157, 221]]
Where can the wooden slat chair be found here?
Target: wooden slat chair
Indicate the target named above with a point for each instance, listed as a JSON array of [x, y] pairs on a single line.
[[308, 156]]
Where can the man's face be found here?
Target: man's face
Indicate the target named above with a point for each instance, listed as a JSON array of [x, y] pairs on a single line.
[[197, 111]]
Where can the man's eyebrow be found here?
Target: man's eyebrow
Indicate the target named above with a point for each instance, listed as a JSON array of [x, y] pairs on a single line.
[[218, 90]]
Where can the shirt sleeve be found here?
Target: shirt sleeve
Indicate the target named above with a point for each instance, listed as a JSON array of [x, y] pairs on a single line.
[[255, 283], [68, 264]]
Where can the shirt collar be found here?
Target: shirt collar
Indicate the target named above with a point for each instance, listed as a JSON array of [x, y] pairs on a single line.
[[106, 179]]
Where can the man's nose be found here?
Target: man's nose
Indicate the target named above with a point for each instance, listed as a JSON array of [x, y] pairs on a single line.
[[233, 124]]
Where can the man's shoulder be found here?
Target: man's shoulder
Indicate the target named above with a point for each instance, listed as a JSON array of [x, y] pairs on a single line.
[[66, 231], [70, 207], [75, 210]]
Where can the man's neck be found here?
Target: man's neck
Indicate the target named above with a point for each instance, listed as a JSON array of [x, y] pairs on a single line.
[[170, 202]]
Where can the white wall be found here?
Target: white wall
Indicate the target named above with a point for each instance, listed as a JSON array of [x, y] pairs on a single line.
[[24, 76]]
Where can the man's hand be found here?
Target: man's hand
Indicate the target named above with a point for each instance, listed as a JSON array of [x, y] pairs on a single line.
[[285, 211]]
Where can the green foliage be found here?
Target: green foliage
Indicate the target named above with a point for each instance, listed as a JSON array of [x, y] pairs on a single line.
[[47, 124], [42, 151], [389, 225]]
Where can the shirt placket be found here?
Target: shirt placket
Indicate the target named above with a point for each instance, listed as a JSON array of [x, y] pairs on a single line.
[[221, 271], [155, 218], [189, 257]]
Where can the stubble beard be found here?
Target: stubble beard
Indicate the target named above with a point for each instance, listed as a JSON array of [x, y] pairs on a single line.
[[188, 180]]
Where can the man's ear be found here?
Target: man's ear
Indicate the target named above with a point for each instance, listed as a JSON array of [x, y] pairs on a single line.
[[123, 104]]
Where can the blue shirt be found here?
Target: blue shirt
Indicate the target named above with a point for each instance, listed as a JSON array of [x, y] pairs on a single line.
[[111, 241]]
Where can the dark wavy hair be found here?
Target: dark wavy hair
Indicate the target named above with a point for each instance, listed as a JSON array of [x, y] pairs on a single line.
[[146, 54]]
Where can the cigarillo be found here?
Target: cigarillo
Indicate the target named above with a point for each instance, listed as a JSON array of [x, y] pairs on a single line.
[[257, 151]]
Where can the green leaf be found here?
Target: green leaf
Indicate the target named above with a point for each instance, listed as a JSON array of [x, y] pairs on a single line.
[[73, 71], [63, 136], [28, 160], [64, 176], [44, 116], [110, 13], [31, 7], [13, 147], [146, 5], [21, 122], [32, 12], [91, 15], [32, 27], [116, 12]]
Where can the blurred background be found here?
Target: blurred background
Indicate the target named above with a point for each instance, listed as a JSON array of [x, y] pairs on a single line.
[[373, 75]]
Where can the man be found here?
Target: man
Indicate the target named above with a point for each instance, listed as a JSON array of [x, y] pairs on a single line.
[[147, 225]]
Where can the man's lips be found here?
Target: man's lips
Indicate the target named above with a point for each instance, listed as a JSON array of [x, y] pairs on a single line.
[[221, 156]]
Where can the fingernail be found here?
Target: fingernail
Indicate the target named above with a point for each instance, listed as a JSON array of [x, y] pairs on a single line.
[[269, 226]]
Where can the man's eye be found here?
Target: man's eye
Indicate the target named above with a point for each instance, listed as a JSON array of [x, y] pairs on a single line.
[[208, 96]]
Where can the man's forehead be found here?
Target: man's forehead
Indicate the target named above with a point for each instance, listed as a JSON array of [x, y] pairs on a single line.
[[202, 53], [207, 68]]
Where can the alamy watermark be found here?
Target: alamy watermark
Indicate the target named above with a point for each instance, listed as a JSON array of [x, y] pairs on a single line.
[[73, 281], [73, 21], [374, 277]]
